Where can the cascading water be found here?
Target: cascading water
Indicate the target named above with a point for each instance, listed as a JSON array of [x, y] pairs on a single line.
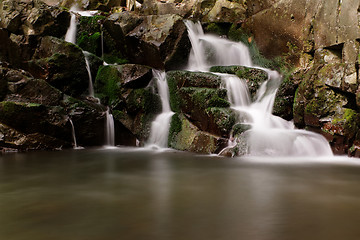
[[160, 126], [109, 129], [70, 35], [73, 133], [269, 134]]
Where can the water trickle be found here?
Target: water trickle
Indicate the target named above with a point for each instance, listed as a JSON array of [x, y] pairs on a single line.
[[91, 87], [269, 134], [109, 129], [74, 135], [160, 126]]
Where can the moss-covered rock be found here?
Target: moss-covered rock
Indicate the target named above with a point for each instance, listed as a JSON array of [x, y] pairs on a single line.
[[61, 64], [32, 118], [189, 138], [112, 80]]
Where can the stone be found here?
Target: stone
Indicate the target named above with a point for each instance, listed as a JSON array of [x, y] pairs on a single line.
[[61, 64], [190, 138], [160, 42]]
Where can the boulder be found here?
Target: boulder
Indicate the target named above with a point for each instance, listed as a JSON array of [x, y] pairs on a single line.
[[31, 118], [160, 42], [61, 64], [112, 80], [14, 140], [185, 136]]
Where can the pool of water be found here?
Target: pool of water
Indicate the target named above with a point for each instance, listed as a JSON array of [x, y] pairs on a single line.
[[134, 195]]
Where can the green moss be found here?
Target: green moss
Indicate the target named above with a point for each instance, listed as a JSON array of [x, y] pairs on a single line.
[[218, 28], [207, 97], [143, 100], [107, 84], [114, 58], [350, 120], [175, 99], [175, 128], [90, 42], [224, 118]]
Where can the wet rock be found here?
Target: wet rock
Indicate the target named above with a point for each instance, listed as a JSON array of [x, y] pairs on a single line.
[[138, 110], [14, 140], [112, 79], [189, 138], [207, 109], [160, 42], [226, 11], [31, 118], [61, 64]]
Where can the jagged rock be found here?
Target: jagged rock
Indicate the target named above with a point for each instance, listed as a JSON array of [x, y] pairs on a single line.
[[226, 11], [61, 64], [127, 21], [13, 140], [185, 136], [112, 79], [31, 118], [160, 42], [33, 18], [320, 105]]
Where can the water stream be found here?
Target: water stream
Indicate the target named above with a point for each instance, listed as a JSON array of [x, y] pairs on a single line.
[[269, 134], [160, 126], [109, 129]]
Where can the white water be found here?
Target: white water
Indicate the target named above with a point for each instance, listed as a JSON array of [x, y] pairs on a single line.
[[109, 130], [74, 135], [91, 86], [269, 134], [70, 35], [160, 126]]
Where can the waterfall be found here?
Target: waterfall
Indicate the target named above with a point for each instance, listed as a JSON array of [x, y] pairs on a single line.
[[109, 129], [74, 135], [91, 87], [160, 126], [269, 134], [70, 35]]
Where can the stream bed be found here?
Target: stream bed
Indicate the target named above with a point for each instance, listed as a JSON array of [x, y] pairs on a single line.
[[127, 194]]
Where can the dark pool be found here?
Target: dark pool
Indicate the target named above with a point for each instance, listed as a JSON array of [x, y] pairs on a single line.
[[123, 194]]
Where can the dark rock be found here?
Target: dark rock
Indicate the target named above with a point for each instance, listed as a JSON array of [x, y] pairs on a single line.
[[160, 42], [112, 79], [31, 118], [61, 64]]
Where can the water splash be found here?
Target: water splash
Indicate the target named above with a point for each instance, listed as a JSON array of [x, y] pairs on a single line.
[[160, 126], [269, 134]]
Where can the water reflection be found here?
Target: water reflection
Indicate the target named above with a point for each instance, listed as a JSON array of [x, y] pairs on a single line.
[[122, 194]]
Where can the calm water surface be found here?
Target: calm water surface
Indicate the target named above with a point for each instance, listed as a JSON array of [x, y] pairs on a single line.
[[126, 195]]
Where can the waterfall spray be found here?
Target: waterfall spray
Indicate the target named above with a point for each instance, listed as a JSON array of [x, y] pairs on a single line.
[[269, 134]]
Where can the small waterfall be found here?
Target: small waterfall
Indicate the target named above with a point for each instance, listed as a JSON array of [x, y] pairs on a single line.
[[210, 50], [71, 32], [109, 129], [70, 35], [160, 126], [74, 135], [91, 86], [269, 135]]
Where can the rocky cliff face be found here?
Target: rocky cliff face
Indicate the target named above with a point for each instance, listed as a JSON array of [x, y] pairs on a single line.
[[42, 75]]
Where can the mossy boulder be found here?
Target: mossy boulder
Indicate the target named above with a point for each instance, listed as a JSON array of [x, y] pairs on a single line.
[[185, 136], [32, 118], [19, 141], [207, 108], [62, 65], [113, 80]]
